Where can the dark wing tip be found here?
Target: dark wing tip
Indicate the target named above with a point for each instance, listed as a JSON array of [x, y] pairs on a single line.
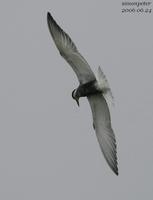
[[48, 14], [115, 165], [52, 23], [116, 171], [49, 17]]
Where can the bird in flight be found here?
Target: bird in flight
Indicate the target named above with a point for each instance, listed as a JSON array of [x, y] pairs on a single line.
[[94, 89]]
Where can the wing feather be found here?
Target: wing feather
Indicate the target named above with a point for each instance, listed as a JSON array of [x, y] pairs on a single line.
[[104, 132], [69, 51]]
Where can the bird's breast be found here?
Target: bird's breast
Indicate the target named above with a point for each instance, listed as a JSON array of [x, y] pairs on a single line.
[[87, 89]]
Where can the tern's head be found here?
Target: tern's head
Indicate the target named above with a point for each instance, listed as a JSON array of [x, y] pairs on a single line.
[[75, 97]]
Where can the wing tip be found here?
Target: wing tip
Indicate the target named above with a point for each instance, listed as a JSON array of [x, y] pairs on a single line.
[[112, 162], [115, 167], [49, 17], [116, 171], [52, 23], [48, 14]]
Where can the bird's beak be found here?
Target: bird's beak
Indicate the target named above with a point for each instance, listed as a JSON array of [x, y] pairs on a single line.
[[77, 100]]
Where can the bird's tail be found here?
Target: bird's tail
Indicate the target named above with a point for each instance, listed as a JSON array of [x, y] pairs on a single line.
[[104, 86]]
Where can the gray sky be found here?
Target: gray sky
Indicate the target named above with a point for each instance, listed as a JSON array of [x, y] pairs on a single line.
[[48, 148]]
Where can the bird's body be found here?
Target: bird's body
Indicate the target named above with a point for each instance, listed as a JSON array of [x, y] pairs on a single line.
[[95, 91], [86, 89]]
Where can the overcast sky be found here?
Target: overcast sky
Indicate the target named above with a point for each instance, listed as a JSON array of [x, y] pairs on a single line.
[[48, 148]]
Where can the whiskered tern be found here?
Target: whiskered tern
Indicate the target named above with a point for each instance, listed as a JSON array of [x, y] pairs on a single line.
[[94, 89]]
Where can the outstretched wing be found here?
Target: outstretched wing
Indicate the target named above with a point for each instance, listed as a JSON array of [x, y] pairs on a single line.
[[104, 132], [69, 51]]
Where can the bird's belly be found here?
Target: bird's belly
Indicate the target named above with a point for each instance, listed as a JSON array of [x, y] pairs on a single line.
[[87, 89]]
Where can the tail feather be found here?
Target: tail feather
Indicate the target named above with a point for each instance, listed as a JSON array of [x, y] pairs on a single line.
[[104, 86]]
